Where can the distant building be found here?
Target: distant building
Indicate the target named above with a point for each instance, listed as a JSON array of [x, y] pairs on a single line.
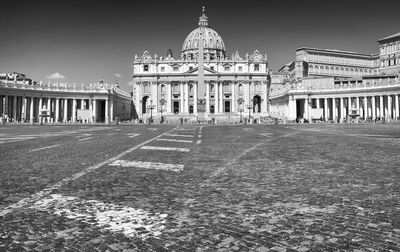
[[333, 85], [188, 86], [23, 100]]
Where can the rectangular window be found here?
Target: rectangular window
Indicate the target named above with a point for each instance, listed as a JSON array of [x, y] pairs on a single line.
[[240, 68], [227, 68], [190, 68], [212, 68], [145, 68], [162, 69], [176, 69], [256, 67]]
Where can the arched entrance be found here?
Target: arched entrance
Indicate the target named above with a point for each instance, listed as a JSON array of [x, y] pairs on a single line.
[[256, 104], [144, 104], [227, 108], [212, 109], [176, 107], [191, 109]]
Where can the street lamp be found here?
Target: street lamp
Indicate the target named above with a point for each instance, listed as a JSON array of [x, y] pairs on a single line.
[[151, 107], [162, 102], [240, 110], [250, 107]]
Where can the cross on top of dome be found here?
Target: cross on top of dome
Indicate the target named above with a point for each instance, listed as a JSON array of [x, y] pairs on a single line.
[[203, 20]]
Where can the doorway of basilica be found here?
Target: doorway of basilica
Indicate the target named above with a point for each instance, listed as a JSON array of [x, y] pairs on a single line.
[[176, 107], [227, 107]]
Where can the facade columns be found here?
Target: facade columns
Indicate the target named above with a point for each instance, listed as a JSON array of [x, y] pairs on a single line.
[[65, 118], [169, 91], [334, 110], [233, 98], [358, 105], [216, 97], [195, 98], [91, 110], [207, 97], [57, 110], [306, 105], [106, 112], [182, 109], [49, 109], [23, 109], [5, 109], [381, 106], [396, 102], [186, 89], [221, 98], [373, 107], [389, 106]]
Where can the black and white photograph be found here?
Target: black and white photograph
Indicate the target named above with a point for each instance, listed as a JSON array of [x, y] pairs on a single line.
[[199, 125]]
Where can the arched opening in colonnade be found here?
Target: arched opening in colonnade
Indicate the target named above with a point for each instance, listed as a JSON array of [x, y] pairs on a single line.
[[256, 104], [144, 104]]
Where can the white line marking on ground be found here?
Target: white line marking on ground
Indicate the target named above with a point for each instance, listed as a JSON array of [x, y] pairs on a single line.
[[117, 129], [131, 135], [127, 220], [48, 190], [84, 139], [165, 148], [176, 135], [266, 134], [148, 165], [247, 129], [174, 140], [47, 147]]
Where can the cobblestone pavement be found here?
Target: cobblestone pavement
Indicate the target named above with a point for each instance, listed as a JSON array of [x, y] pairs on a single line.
[[201, 188]]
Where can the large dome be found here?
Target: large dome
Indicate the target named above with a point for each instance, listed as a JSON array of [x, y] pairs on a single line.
[[213, 44], [212, 40]]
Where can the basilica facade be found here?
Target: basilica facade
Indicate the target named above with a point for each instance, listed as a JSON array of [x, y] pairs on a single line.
[[201, 81]]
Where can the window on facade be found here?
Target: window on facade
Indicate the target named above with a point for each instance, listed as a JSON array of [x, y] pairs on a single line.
[[162, 89], [212, 68], [256, 67], [162, 69], [212, 88], [145, 68], [240, 68], [176, 68], [227, 68], [191, 88], [227, 87], [190, 68], [240, 88], [175, 89], [146, 88]]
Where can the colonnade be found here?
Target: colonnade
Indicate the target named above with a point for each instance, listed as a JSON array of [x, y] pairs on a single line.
[[375, 107], [56, 109]]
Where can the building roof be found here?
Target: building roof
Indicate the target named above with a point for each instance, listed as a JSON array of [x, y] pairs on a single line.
[[335, 51], [397, 35]]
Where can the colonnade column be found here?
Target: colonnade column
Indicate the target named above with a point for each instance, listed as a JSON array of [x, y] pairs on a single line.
[[23, 109], [57, 110], [49, 108], [397, 107], [14, 108], [358, 105], [5, 109], [365, 107], [381, 106], [334, 111], [91, 110], [306, 112], [326, 109], [106, 112], [373, 108], [31, 110], [94, 116], [389, 106], [341, 109], [65, 118], [73, 110], [112, 110], [292, 108], [348, 105]]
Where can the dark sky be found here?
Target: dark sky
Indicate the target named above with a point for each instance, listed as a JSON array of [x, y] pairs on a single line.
[[89, 40]]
